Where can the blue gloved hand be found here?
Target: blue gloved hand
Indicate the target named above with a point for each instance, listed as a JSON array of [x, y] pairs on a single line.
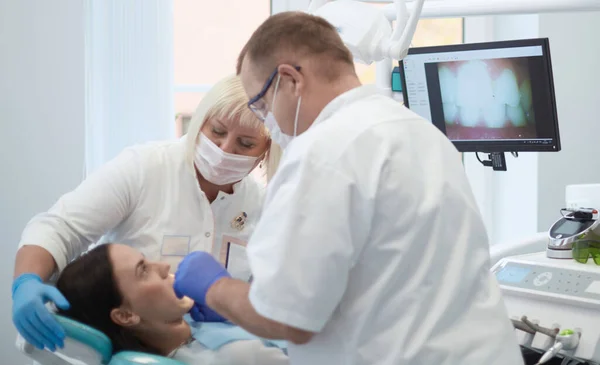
[[31, 317], [196, 273], [200, 313]]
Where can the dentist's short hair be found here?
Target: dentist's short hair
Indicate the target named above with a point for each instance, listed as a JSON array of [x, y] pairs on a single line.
[[289, 36], [228, 100]]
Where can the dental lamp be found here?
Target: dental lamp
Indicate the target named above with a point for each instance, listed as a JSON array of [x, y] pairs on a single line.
[[462, 8], [368, 34], [367, 30]]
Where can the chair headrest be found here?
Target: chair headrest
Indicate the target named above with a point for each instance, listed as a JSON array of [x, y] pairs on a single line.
[[131, 358], [87, 336], [100, 343]]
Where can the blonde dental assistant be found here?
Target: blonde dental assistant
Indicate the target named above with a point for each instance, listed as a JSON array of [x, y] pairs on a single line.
[[165, 199]]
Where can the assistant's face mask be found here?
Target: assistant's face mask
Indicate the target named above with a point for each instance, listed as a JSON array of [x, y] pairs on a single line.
[[220, 167], [277, 134]]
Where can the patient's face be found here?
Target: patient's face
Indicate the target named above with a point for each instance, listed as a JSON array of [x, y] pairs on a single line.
[[146, 287]]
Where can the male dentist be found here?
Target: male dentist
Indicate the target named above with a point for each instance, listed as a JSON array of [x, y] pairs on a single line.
[[370, 248]]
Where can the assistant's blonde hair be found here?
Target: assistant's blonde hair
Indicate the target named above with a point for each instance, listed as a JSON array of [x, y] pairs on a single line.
[[228, 100]]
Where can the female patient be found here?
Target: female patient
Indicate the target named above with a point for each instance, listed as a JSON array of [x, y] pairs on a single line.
[[115, 290]]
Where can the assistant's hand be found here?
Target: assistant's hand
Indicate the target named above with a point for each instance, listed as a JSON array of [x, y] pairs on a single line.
[[196, 273], [31, 317]]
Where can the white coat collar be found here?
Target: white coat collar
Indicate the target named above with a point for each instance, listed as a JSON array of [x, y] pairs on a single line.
[[342, 100]]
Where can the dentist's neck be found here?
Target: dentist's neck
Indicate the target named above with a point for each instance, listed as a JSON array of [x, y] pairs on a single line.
[[325, 94], [333, 90]]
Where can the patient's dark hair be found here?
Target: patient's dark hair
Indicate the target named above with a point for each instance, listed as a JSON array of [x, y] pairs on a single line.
[[89, 285]]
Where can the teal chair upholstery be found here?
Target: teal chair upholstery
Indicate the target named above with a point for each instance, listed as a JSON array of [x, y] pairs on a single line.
[[88, 336], [130, 357], [85, 344]]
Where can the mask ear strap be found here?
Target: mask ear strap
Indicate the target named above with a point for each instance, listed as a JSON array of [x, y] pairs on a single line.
[[297, 113], [275, 93]]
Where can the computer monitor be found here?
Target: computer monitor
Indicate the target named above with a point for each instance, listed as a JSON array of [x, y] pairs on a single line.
[[486, 97]]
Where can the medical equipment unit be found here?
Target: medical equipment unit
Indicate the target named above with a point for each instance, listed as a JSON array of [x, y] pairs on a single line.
[[553, 300], [491, 97], [86, 346], [576, 225]]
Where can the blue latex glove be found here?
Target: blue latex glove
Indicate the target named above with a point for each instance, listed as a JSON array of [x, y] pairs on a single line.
[[202, 313], [196, 273], [31, 317]]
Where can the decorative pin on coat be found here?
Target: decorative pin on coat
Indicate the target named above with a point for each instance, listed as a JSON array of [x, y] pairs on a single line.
[[239, 221]]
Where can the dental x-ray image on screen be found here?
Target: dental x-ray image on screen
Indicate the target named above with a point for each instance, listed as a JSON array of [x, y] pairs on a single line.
[[487, 99]]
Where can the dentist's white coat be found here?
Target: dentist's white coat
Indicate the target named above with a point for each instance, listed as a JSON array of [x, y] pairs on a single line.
[[370, 237]]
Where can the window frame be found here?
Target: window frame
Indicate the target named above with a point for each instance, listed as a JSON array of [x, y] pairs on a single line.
[[278, 5]]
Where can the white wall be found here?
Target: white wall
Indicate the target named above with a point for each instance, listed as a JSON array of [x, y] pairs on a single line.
[[575, 51], [41, 124]]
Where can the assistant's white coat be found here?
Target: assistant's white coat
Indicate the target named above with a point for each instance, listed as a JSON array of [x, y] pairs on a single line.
[[147, 197]]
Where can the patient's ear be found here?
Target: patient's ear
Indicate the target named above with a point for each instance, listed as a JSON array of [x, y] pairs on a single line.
[[124, 317]]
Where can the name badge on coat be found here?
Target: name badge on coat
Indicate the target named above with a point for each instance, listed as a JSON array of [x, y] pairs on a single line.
[[173, 249], [233, 256]]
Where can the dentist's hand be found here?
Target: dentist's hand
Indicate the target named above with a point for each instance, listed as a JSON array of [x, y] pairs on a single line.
[[200, 313], [31, 317], [196, 273]]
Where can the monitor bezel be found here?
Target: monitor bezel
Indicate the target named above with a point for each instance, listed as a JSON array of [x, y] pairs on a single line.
[[489, 146]]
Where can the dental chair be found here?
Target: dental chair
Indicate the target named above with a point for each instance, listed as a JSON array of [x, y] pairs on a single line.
[[87, 346], [532, 244]]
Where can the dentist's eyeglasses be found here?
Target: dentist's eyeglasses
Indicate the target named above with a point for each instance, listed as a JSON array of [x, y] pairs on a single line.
[[257, 104]]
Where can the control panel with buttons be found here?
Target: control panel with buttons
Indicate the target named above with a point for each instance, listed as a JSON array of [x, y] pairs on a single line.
[[550, 280]]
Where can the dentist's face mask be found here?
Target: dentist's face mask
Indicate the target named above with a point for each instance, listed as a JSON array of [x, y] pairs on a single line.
[[220, 167], [277, 134]]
